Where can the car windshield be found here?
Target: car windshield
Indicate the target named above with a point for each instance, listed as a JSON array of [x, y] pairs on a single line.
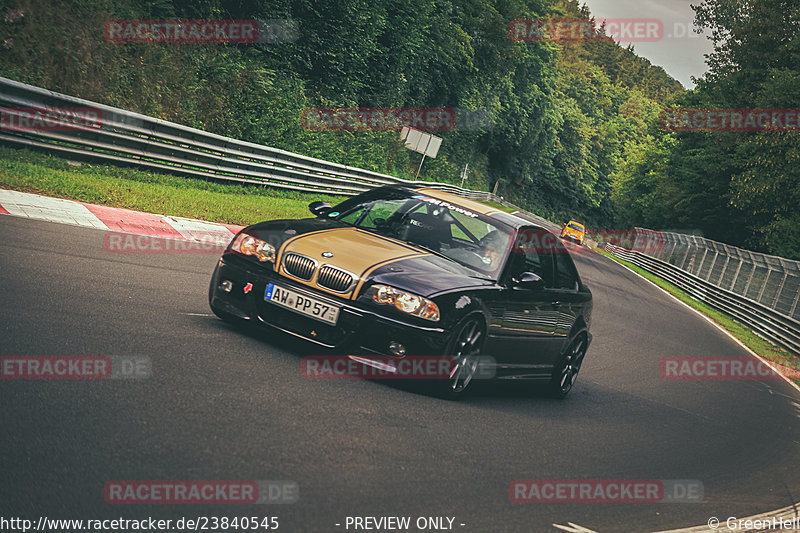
[[575, 226], [447, 229]]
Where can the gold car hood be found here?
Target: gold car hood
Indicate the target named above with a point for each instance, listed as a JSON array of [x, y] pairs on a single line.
[[355, 251]]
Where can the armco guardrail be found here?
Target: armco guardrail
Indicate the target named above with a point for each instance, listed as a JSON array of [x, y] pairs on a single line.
[[769, 323], [125, 138], [769, 280]]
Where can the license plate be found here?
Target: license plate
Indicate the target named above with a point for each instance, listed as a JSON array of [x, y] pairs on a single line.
[[302, 304]]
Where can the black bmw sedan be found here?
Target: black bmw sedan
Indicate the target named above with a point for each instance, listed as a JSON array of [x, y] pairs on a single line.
[[400, 272]]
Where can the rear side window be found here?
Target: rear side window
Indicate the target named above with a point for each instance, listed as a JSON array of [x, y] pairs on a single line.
[[541, 264], [566, 275], [533, 252]]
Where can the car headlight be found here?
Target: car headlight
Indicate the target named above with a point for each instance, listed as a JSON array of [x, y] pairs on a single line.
[[248, 245], [404, 301]]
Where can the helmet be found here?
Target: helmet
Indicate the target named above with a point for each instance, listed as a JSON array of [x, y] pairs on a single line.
[[491, 247], [493, 240]]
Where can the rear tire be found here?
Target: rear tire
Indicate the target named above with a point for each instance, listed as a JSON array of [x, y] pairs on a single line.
[[566, 372]]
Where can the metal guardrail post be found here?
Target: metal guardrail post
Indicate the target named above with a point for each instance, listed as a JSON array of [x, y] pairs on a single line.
[[794, 305], [774, 303], [750, 279], [671, 252], [724, 269], [711, 268], [685, 257], [764, 284], [736, 276], [700, 264]]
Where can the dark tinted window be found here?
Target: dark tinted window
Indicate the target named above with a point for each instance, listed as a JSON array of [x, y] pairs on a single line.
[[566, 275], [533, 252], [541, 264]]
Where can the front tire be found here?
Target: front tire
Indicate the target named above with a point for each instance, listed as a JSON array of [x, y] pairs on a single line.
[[465, 349]]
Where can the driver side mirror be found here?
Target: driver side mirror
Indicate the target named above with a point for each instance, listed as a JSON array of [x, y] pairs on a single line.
[[319, 208], [528, 281]]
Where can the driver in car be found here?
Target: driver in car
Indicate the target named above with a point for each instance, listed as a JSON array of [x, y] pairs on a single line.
[[491, 249]]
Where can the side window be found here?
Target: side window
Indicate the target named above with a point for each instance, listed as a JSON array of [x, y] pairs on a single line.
[[541, 264], [353, 216], [534, 253], [566, 275], [382, 210]]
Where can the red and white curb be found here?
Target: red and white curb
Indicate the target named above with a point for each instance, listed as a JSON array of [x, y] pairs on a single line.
[[35, 206]]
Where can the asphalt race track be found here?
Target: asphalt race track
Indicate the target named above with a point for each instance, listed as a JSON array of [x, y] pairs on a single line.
[[224, 404]]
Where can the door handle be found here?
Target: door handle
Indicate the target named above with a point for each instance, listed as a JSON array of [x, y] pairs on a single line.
[[555, 303]]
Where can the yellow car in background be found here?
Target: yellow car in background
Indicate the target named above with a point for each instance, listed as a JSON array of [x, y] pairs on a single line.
[[574, 231]]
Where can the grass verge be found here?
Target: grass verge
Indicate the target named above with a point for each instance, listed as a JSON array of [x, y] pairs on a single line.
[[131, 188], [748, 337], [501, 207]]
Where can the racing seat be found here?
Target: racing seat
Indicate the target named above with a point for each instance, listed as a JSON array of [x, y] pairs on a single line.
[[426, 230]]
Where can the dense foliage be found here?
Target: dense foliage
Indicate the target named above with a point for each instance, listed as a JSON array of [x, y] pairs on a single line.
[[741, 188], [569, 117]]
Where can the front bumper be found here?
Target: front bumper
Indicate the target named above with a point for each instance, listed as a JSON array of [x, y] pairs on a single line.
[[572, 237], [358, 329]]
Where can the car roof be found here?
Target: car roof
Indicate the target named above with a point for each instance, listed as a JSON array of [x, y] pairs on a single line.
[[483, 209]]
